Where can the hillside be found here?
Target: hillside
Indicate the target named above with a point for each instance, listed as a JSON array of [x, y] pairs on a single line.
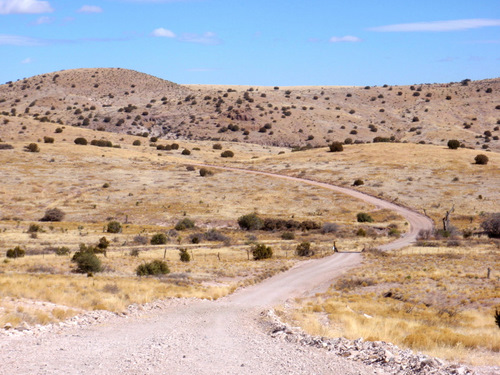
[[124, 101]]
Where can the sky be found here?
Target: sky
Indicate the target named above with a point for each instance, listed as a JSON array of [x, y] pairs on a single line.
[[258, 42]]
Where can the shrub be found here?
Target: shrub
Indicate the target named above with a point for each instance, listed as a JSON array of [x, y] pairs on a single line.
[[103, 244], [186, 152], [205, 172], [141, 240], [492, 225], [261, 251], [159, 239], [227, 154], [6, 146], [114, 227], [217, 146], [86, 261], [250, 222], [304, 250], [62, 251], [184, 224], [184, 256], [329, 228], [136, 143], [481, 159], [358, 182], [53, 214], [32, 147], [81, 141], [287, 236], [34, 228], [59, 130], [48, 140], [214, 235], [174, 146], [101, 143], [363, 217], [156, 267], [361, 232], [16, 252], [336, 147], [453, 144]]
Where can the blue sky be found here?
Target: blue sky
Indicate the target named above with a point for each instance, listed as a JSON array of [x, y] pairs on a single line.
[[357, 42]]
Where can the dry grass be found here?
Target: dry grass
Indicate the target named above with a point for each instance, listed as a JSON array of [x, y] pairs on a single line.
[[437, 300]]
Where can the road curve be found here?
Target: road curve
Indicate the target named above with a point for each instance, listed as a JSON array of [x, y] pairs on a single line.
[[202, 337]]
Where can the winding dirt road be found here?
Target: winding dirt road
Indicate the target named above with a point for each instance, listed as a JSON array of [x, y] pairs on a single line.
[[202, 337]]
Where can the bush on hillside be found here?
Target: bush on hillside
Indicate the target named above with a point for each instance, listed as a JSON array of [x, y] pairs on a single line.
[[453, 144], [227, 154], [159, 239], [261, 251], [363, 217], [492, 225], [53, 214], [114, 227], [184, 224], [81, 141], [32, 147], [86, 261], [184, 256], [156, 267], [481, 159], [250, 222], [304, 250], [16, 252], [336, 147]]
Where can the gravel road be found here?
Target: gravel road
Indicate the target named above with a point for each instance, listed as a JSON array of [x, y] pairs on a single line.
[[201, 337]]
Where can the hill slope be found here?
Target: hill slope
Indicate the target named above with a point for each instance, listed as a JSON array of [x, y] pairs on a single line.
[[125, 101]]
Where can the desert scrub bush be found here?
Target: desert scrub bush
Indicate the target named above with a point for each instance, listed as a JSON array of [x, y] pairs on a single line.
[[48, 139], [101, 143], [32, 147], [81, 141], [159, 239], [141, 240], [217, 146], [16, 252], [358, 182], [114, 227], [86, 261], [227, 154], [184, 224], [184, 256], [250, 222], [153, 268], [63, 250], [363, 217], [453, 144], [186, 152], [481, 159], [53, 215], [304, 249], [336, 147], [136, 143], [329, 228], [214, 235], [205, 172], [287, 236], [361, 232], [491, 225], [261, 251]]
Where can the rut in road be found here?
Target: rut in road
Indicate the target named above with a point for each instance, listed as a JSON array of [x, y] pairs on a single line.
[[202, 337]]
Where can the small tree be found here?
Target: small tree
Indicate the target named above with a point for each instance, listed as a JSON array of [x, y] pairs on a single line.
[[53, 214], [114, 227], [250, 222], [453, 144], [336, 147], [492, 225], [304, 250], [159, 239], [184, 256], [86, 261], [363, 217], [481, 159], [261, 251]]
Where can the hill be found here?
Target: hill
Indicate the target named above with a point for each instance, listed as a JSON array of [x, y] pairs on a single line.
[[125, 101]]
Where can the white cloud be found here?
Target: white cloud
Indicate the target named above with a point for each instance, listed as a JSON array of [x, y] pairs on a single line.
[[90, 9], [16, 40], [24, 6], [207, 38], [454, 25], [347, 38], [164, 33], [28, 60]]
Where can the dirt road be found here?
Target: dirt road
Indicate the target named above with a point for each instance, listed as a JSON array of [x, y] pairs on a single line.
[[201, 337]]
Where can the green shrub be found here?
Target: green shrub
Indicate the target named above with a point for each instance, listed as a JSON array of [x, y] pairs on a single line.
[[184, 256], [481, 159], [205, 172], [217, 146], [62, 251], [227, 154], [287, 236], [336, 147], [184, 224], [101, 143], [32, 147], [48, 140], [34, 228], [114, 227], [103, 244], [81, 141], [186, 152], [361, 232], [304, 250], [174, 146], [86, 261], [358, 182], [136, 143], [261, 251], [250, 222], [156, 267], [453, 144], [53, 214], [16, 252], [363, 217], [159, 239]]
